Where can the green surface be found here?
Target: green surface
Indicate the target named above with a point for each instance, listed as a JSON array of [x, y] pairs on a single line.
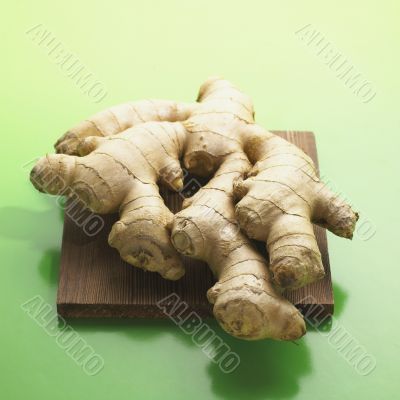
[[165, 49]]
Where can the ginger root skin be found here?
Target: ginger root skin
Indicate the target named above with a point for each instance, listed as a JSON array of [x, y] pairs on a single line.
[[279, 197], [120, 172], [262, 187], [246, 303]]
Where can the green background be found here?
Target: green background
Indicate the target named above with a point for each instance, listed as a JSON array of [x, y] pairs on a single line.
[[165, 49]]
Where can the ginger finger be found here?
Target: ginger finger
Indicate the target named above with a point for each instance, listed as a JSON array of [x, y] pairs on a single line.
[[246, 304], [121, 173], [119, 118]]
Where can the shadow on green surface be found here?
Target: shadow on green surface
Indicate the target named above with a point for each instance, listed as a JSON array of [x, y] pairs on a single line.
[[49, 266], [341, 297], [267, 370], [40, 228]]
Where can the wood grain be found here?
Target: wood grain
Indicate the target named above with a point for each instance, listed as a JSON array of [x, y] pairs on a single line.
[[95, 282]]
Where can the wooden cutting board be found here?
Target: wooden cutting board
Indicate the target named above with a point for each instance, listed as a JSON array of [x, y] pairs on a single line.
[[95, 282]]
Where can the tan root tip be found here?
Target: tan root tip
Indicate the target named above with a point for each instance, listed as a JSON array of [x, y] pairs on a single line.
[[51, 174], [87, 145], [206, 85], [291, 273], [213, 293], [173, 274], [182, 242], [187, 237], [200, 163], [353, 225], [241, 318], [67, 144], [239, 189], [345, 225], [252, 314], [147, 246], [187, 202], [177, 184]]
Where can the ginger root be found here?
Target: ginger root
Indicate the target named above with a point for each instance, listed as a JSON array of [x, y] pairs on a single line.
[[282, 195], [246, 303], [262, 187], [120, 173]]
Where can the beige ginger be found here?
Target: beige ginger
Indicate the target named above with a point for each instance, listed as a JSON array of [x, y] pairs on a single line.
[[116, 159]]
